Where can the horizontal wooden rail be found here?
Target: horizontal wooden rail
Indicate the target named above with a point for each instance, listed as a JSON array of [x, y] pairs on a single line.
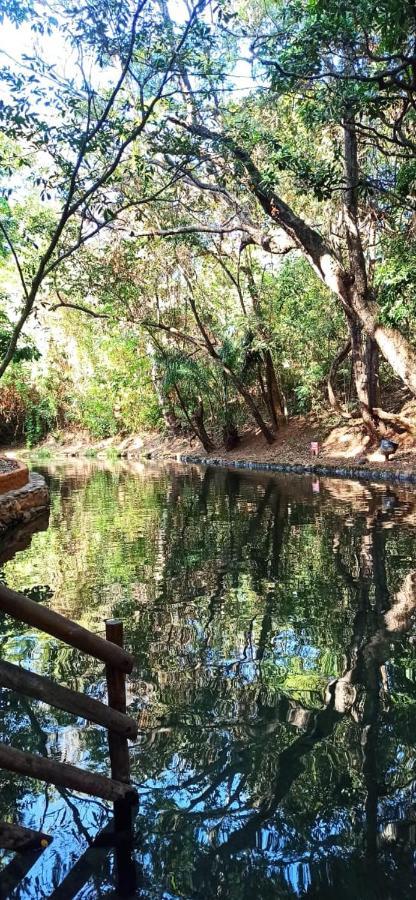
[[19, 839], [38, 616], [40, 688], [64, 775]]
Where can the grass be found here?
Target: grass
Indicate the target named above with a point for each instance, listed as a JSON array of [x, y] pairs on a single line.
[[42, 453], [112, 453]]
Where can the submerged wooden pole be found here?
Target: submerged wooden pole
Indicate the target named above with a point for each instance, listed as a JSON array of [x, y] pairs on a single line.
[[20, 680], [19, 839], [126, 871], [65, 775], [38, 616]]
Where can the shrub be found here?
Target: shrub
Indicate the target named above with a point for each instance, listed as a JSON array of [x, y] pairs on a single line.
[[40, 419], [13, 411], [94, 411]]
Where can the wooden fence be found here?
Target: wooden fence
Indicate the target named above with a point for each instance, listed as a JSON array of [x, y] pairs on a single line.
[[121, 728]]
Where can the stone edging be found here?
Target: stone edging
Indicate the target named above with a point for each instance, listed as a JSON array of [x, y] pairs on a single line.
[[329, 471], [24, 503], [14, 479]]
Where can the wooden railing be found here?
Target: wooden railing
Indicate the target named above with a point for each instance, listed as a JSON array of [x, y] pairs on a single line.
[[121, 728]]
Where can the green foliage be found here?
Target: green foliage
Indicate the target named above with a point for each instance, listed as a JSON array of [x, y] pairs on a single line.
[[95, 411], [396, 282], [306, 326], [40, 418], [188, 373], [26, 351]]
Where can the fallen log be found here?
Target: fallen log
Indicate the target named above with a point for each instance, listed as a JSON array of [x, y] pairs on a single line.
[[64, 775], [40, 688], [37, 616], [19, 839]]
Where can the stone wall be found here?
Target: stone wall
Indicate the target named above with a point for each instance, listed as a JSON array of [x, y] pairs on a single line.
[[352, 472], [25, 503]]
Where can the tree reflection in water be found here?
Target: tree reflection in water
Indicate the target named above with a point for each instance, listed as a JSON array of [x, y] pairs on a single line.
[[273, 631]]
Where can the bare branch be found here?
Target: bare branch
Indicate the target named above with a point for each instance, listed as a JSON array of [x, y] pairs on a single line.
[[16, 259]]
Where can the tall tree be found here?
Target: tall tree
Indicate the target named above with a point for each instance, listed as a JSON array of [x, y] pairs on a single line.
[[307, 55], [77, 132]]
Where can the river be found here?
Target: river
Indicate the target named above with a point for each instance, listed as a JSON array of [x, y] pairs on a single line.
[[272, 624]]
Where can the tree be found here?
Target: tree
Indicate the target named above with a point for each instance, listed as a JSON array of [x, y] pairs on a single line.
[[86, 125], [258, 155]]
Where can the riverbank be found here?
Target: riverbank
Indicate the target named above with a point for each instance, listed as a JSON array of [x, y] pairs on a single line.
[[343, 450]]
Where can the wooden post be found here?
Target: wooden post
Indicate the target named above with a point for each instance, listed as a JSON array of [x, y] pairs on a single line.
[[120, 770]]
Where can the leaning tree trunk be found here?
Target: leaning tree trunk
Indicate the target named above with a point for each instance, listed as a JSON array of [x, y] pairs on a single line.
[[272, 395], [276, 400], [196, 423], [204, 437], [331, 387], [168, 413], [239, 384]]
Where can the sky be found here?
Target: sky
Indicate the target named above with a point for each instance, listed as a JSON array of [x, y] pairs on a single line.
[[15, 42]]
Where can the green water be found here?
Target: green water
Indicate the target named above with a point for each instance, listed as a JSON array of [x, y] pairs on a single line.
[[272, 623]]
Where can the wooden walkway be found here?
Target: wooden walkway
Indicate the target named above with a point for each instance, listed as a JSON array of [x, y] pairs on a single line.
[[28, 844]]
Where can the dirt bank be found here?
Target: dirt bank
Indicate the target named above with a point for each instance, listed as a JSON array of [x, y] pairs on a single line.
[[342, 447]]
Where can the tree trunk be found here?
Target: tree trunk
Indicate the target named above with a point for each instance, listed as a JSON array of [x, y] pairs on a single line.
[[241, 388], [276, 400], [365, 359], [272, 395], [168, 413], [199, 432], [203, 435], [336, 362]]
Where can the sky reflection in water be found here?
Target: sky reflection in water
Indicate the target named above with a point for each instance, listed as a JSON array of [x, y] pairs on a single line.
[[273, 628]]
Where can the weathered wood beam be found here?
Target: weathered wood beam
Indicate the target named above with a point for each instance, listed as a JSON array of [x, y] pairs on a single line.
[[19, 839], [38, 616], [40, 688], [64, 775]]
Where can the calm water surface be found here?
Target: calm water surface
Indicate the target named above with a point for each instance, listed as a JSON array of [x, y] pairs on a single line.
[[273, 625]]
